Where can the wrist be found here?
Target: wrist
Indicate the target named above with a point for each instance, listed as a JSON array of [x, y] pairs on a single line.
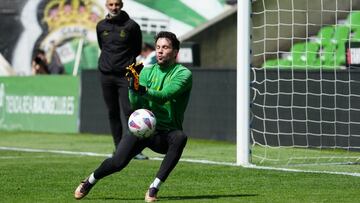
[[143, 90]]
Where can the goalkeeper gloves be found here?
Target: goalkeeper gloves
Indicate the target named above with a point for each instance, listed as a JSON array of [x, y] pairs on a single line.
[[141, 90], [133, 74]]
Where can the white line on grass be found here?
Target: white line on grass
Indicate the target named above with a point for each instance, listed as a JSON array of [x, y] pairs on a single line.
[[304, 171], [201, 161], [53, 151], [183, 160], [21, 157], [106, 155]]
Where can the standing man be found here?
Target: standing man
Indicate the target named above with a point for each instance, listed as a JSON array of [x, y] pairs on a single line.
[[165, 90], [120, 41]]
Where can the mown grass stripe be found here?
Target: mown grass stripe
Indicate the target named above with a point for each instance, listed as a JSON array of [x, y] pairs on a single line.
[[183, 160]]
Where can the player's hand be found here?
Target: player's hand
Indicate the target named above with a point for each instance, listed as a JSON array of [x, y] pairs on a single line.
[[134, 70], [138, 67], [133, 74], [141, 90]]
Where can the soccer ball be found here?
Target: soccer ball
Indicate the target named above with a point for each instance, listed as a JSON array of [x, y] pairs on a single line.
[[142, 123]]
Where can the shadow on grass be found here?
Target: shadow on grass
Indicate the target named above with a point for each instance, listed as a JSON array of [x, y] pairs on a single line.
[[174, 198], [204, 197]]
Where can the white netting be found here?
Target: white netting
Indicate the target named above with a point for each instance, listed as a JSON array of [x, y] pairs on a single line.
[[305, 99]]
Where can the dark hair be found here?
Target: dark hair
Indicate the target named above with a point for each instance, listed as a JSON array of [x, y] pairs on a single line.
[[171, 36]]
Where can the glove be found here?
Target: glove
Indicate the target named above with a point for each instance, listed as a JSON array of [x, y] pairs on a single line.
[[141, 90], [132, 73]]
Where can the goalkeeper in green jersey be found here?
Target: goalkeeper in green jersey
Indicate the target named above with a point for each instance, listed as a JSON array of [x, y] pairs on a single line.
[[164, 88]]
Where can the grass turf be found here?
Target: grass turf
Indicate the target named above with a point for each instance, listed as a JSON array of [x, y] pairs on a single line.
[[47, 177]]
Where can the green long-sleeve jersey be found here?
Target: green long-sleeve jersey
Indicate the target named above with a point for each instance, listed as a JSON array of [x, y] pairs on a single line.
[[167, 95]]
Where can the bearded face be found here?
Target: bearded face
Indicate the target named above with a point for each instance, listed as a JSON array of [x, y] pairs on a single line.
[[114, 7]]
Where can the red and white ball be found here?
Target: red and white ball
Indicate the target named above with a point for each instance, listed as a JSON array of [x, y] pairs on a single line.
[[142, 123]]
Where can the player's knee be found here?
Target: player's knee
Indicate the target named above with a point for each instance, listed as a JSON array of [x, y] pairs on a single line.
[[180, 139], [117, 164], [183, 139]]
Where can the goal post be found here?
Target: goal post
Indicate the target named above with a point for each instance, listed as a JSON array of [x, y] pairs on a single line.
[[243, 84], [298, 83]]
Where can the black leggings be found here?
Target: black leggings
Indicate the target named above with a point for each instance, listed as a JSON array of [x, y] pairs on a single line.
[[169, 143], [116, 96]]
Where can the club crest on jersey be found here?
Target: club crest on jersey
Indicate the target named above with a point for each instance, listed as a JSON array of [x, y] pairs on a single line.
[[105, 33], [122, 34]]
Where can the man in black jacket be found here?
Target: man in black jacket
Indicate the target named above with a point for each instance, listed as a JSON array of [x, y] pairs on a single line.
[[120, 41]]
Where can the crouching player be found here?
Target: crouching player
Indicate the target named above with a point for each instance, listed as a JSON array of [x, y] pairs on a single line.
[[165, 90]]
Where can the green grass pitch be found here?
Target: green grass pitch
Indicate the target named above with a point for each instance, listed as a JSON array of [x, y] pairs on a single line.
[[52, 177]]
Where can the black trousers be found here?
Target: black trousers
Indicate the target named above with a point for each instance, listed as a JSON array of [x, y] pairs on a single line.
[[169, 143], [116, 96]]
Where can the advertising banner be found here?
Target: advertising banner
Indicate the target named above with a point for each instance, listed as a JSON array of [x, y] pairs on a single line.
[[39, 103]]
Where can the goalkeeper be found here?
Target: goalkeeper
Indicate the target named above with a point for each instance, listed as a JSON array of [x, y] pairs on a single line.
[[165, 90]]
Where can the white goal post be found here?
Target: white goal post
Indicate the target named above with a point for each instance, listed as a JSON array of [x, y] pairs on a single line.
[[298, 83], [243, 84]]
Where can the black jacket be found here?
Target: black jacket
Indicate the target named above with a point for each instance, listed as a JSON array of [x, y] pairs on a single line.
[[120, 42]]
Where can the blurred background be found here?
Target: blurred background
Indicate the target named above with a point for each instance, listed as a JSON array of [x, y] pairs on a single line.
[[71, 101], [58, 26]]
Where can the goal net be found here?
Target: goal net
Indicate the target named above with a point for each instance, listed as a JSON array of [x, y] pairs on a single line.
[[305, 82]]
